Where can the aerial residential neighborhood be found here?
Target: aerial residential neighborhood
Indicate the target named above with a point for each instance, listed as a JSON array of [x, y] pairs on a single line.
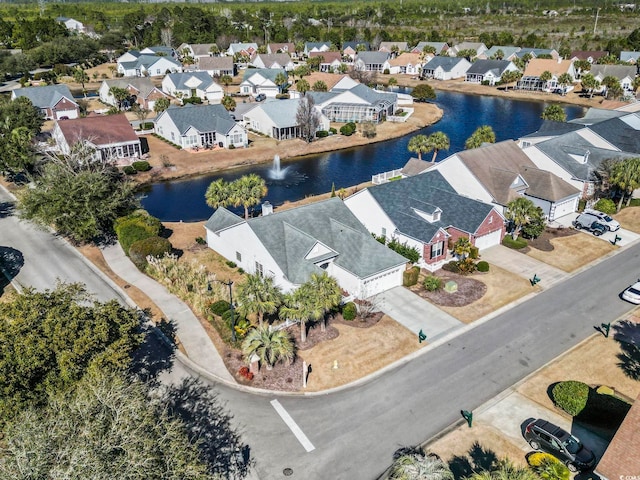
[[363, 240]]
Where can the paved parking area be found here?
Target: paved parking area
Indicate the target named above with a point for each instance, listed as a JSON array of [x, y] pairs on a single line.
[[415, 313], [625, 237]]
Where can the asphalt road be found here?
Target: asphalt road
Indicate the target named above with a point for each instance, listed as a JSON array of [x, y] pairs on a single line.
[[355, 432]]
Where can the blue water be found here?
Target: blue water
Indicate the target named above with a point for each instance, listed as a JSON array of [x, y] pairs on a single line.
[[184, 199]]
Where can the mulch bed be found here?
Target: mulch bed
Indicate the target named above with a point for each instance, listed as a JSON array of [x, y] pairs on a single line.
[[543, 242], [469, 289], [358, 322]]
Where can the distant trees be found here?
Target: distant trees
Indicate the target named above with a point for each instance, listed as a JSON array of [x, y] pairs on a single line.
[[483, 134], [554, 112], [20, 122], [307, 117], [246, 191]]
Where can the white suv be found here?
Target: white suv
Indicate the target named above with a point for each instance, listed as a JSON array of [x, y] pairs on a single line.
[[604, 219]]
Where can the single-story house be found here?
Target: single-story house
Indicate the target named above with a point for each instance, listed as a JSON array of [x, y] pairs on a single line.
[[624, 73], [277, 119], [330, 61], [273, 60], [111, 135], [140, 89], [445, 68], [149, 65], [589, 56], [425, 212], [72, 24], [489, 71], [287, 47], [351, 49], [358, 103], [537, 52], [440, 48], [217, 66], [405, 63], [629, 57], [500, 52], [310, 47], [197, 50], [291, 245], [243, 49], [129, 56], [478, 47], [194, 126], [393, 47], [499, 173], [54, 101], [160, 51], [370, 61], [537, 66], [193, 84], [261, 80]]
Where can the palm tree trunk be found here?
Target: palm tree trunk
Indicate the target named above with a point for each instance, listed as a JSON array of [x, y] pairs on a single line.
[[246, 212], [620, 202], [435, 154], [629, 199], [303, 331], [323, 323], [260, 315]]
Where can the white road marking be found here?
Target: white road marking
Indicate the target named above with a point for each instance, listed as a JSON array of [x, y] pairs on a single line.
[[293, 426]]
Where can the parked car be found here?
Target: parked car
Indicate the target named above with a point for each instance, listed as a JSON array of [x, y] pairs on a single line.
[[589, 222], [545, 436], [611, 224], [261, 97], [632, 294]]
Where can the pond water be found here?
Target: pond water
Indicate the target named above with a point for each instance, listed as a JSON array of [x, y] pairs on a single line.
[[463, 113]]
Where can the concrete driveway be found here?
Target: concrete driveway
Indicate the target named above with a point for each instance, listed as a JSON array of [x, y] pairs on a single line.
[[625, 237], [415, 313], [523, 265]]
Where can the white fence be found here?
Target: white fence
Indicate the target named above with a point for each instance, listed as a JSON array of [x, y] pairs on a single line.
[[401, 118], [379, 178]]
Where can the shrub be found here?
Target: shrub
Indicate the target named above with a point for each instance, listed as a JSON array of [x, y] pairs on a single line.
[[582, 204], [333, 130], [147, 126], [153, 246], [219, 307], [410, 253], [386, 71], [141, 166], [634, 202], [322, 133], [237, 318], [231, 264], [410, 277], [432, 283], [282, 96], [571, 396], [232, 147], [246, 373], [606, 205], [348, 129], [452, 266], [349, 311], [135, 227], [466, 266], [516, 244], [129, 170], [473, 252], [536, 459], [482, 266], [194, 100], [201, 241]]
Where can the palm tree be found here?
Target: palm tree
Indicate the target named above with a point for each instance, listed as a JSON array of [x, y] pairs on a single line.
[[258, 294], [325, 294], [303, 86], [462, 247], [247, 191], [554, 112], [270, 346], [228, 103], [297, 307], [120, 94], [226, 81], [508, 471], [416, 465], [483, 134], [519, 212], [281, 81], [80, 76], [418, 144], [545, 77], [589, 83], [626, 176], [564, 80], [437, 141], [218, 194], [552, 469]]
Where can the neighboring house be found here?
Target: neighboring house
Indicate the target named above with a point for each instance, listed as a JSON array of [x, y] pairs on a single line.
[[261, 80], [351, 49], [589, 56], [625, 74], [194, 126], [489, 71], [330, 63], [405, 63], [217, 66], [277, 119], [499, 173], [273, 60], [160, 51], [54, 101], [370, 61], [111, 135], [426, 213], [196, 50], [194, 84], [536, 52], [358, 103], [629, 57], [291, 245], [440, 48], [310, 47], [141, 91], [504, 51], [333, 81], [288, 47], [478, 47], [128, 56], [72, 24], [149, 66], [244, 49], [445, 68], [393, 47], [537, 66]]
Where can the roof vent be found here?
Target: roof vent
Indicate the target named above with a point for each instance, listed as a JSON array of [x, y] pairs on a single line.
[[267, 209]]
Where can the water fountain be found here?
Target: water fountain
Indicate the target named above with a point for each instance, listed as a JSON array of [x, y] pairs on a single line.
[[277, 172]]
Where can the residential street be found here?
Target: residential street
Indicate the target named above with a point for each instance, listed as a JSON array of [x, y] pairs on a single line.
[[352, 434]]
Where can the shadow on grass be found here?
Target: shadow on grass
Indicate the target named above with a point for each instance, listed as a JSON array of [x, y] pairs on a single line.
[[154, 355], [627, 334], [477, 459]]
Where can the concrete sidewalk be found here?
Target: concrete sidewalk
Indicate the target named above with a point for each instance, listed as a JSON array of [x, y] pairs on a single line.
[[191, 333]]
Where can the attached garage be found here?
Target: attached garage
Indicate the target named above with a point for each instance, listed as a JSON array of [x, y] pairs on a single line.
[[488, 240], [66, 114], [562, 208], [381, 282]]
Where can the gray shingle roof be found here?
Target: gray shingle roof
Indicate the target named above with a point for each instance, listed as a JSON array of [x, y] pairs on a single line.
[[438, 46], [372, 58], [179, 79], [216, 63], [446, 63], [597, 115], [507, 50], [628, 56], [354, 45], [269, 73], [623, 132], [535, 51], [616, 71], [485, 66], [281, 112], [552, 129], [43, 97], [142, 84], [204, 118], [425, 192], [268, 59], [290, 235]]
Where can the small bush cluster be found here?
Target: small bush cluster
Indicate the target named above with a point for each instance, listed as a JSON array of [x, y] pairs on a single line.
[[516, 244], [466, 266], [152, 246], [349, 311], [432, 283], [410, 277], [129, 170], [135, 227], [322, 133], [246, 373], [451, 266], [410, 253], [571, 396], [333, 131], [283, 96], [147, 126], [167, 141], [141, 166], [606, 205], [482, 266], [231, 264], [474, 252], [348, 129], [193, 100], [548, 466], [201, 241], [538, 458], [219, 307]]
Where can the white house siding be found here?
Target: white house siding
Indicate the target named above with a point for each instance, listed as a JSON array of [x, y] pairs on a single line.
[[105, 96], [237, 137], [543, 162], [545, 205], [256, 119], [370, 214], [167, 129], [461, 179]]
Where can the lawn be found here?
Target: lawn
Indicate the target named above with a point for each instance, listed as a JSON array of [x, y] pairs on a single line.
[[573, 251], [629, 218]]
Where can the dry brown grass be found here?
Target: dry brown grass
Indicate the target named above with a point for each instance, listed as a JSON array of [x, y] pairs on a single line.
[[503, 287], [629, 218], [574, 251]]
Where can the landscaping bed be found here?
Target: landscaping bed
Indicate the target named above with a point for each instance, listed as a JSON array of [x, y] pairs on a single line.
[[543, 242], [469, 289]]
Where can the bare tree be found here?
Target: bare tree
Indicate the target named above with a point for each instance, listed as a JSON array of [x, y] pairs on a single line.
[[307, 118]]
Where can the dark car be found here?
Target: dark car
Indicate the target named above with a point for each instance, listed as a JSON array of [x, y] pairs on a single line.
[[261, 97], [591, 223], [550, 438]]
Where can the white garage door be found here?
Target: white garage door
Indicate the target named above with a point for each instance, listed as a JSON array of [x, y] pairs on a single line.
[[488, 240], [564, 208], [382, 282], [70, 114]]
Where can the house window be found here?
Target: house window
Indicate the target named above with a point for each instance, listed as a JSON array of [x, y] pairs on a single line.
[[384, 232], [236, 138], [173, 137], [259, 270], [437, 249], [238, 256]]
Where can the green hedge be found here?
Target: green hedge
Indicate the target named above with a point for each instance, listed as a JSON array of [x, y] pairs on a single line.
[[322, 133], [348, 129], [219, 307], [154, 246], [606, 205], [482, 266], [516, 244], [410, 277], [192, 100], [349, 311], [129, 170], [410, 253], [135, 227], [571, 396], [141, 166]]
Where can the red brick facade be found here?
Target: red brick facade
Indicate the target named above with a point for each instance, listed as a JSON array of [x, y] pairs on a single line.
[[490, 224], [62, 106], [426, 249]]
